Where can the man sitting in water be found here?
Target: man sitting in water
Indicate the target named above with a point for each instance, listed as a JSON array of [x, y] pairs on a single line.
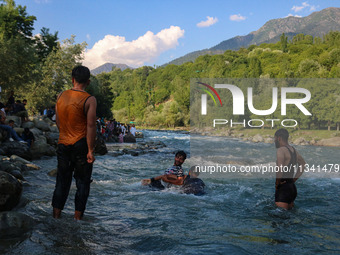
[[173, 175]]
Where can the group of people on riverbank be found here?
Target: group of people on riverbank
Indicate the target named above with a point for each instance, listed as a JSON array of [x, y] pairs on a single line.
[[78, 125], [113, 130], [15, 108]]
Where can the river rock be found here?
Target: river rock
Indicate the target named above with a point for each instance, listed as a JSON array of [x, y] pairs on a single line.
[[41, 148], [257, 138], [300, 141], [7, 166], [28, 124], [15, 158], [52, 138], [36, 132], [129, 138], [139, 134], [334, 142], [100, 146], [53, 172], [42, 125], [54, 129], [14, 224], [10, 191], [17, 174], [16, 148]]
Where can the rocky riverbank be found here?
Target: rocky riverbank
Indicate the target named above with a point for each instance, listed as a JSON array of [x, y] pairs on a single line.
[[15, 160], [309, 137]]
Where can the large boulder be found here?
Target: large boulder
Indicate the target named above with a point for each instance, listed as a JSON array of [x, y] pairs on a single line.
[[52, 138], [36, 132], [54, 129], [28, 124], [41, 124], [300, 141], [9, 148], [41, 148], [10, 191], [129, 138], [14, 224], [100, 146], [334, 142]]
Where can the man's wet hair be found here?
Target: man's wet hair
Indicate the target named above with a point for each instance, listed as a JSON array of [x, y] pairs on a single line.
[[181, 153], [283, 133], [81, 74]]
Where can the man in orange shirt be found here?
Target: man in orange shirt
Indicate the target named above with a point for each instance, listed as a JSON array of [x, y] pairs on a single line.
[[76, 120]]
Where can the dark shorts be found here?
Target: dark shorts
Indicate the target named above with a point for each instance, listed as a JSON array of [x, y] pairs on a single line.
[[286, 193], [72, 160]]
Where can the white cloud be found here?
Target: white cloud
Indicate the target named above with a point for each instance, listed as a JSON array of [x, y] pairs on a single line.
[[303, 6], [291, 15], [207, 23], [115, 49], [88, 37], [237, 17]]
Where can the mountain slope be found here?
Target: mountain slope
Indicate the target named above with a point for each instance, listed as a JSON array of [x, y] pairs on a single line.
[[108, 68], [316, 24]]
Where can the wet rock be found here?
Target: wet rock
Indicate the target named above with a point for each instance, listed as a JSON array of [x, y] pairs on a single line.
[[16, 148], [100, 146], [139, 134], [17, 174], [15, 158], [52, 138], [10, 191], [129, 138], [14, 224], [41, 148], [53, 172]]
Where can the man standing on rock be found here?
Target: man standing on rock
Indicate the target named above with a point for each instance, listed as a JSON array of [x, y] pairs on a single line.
[[287, 160], [76, 120]]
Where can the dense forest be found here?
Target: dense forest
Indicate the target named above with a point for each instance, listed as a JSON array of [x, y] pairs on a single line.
[[160, 97], [38, 68]]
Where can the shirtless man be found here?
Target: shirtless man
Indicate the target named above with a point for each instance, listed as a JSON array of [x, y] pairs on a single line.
[[287, 160]]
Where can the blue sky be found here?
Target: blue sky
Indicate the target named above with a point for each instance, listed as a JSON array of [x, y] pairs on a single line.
[[153, 32]]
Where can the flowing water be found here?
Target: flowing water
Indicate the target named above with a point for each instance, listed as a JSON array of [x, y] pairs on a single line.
[[236, 216]]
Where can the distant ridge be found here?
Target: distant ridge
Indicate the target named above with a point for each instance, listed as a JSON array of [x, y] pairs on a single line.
[[107, 67], [316, 24]]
